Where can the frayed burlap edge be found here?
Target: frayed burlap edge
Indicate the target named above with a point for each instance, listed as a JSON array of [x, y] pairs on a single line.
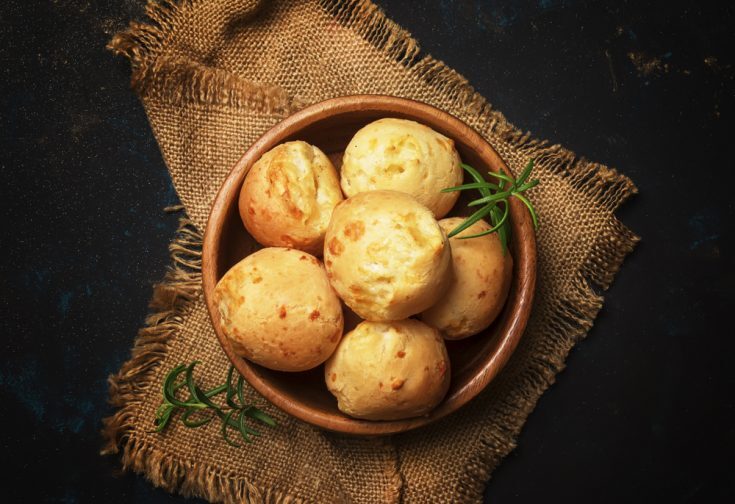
[[175, 80], [172, 299]]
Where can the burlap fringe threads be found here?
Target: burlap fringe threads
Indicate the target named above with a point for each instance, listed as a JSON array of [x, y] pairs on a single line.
[[171, 299]]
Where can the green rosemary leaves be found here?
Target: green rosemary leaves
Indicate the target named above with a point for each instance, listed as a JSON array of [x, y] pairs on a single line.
[[199, 409], [494, 201]]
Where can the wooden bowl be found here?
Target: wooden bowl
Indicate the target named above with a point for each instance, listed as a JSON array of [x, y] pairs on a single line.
[[330, 125]]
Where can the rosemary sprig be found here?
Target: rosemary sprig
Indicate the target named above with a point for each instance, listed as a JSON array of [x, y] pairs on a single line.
[[494, 201], [198, 409]]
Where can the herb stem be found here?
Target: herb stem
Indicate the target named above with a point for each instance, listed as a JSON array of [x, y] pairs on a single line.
[[200, 403], [494, 201]]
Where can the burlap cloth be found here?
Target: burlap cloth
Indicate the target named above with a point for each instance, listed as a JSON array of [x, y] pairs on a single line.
[[213, 76]]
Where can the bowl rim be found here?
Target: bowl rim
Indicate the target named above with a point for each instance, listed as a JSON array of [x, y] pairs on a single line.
[[524, 262]]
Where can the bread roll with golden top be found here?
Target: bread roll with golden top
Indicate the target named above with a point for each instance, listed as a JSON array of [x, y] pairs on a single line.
[[479, 285], [288, 197], [386, 255], [278, 310], [403, 155], [389, 370]]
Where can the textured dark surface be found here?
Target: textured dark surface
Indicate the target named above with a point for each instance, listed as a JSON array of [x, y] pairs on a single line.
[[644, 411]]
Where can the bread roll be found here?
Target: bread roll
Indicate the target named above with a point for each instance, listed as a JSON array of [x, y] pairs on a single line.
[[389, 370], [403, 155], [479, 286], [386, 255], [277, 308], [288, 197]]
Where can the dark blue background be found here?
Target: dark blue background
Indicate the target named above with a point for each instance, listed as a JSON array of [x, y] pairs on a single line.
[[644, 410]]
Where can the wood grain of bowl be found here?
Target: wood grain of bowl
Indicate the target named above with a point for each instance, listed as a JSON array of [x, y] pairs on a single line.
[[475, 361]]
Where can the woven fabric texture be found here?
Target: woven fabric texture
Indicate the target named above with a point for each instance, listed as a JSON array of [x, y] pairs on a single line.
[[213, 76]]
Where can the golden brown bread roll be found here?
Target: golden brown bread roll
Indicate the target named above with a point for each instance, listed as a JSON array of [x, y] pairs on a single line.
[[386, 255], [278, 309], [479, 287], [288, 197], [389, 370], [403, 155]]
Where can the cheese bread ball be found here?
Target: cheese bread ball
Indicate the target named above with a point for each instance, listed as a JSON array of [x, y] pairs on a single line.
[[386, 255], [278, 310], [288, 197], [389, 370], [479, 286], [406, 156]]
